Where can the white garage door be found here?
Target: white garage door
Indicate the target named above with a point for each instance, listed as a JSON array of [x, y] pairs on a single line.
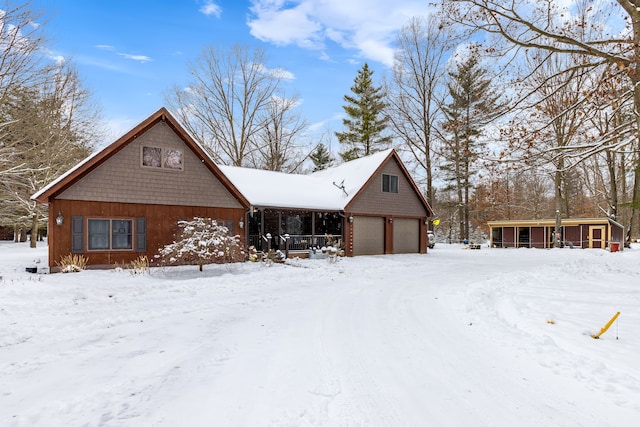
[[368, 235], [406, 236]]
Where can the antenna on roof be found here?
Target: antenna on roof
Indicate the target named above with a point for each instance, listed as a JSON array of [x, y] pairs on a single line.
[[341, 186]]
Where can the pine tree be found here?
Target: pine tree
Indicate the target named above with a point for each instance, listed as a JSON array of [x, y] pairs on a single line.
[[473, 104], [321, 157], [366, 121]]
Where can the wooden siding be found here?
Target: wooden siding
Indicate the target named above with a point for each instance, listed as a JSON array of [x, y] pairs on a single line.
[[161, 225], [572, 236], [538, 237], [575, 232], [508, 237], [371, 200], [121, 178]]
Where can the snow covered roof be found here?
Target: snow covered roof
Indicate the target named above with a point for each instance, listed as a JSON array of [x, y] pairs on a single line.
[[329, 189]]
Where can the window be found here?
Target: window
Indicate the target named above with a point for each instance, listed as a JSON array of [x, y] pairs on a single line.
[[121, 234], [389, 183], [162, 158], [106, 234]]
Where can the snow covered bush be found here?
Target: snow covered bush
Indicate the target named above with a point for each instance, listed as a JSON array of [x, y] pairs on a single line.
[[202, 241]]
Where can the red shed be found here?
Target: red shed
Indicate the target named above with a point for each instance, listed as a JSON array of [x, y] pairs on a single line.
[[597, 233]]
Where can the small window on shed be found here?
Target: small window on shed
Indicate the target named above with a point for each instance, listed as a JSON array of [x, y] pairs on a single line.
[[389, 183]]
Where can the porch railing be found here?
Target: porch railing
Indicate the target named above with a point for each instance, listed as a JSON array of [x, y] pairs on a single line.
[[297, 242]]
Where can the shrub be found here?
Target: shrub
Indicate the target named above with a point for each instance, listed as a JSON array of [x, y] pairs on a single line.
[[139, 265], [72, 263], [202, 241]]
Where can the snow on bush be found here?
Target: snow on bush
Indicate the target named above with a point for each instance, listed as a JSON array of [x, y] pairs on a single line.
[[202, 241]]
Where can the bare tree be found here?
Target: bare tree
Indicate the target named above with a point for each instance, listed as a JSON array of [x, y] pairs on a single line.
[[22, 42], [531, 24], [279, 139], [417, 89], [51, 127], [554, 123], [223, 104]]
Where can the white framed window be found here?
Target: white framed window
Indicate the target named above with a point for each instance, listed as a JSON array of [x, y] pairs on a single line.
[[389, 183]]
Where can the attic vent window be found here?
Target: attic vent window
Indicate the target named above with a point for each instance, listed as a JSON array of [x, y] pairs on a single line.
[[162, 158], [389, 183]]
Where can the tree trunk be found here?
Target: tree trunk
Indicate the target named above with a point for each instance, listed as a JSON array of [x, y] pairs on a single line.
[[34, 231], [557, 235], [613, 184]]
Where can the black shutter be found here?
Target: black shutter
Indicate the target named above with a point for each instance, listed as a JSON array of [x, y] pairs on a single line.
[[77, 234], [141, 235]]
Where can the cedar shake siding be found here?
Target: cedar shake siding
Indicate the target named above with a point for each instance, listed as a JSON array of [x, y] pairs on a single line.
[[122, 178], [373, 201], [126, 200]]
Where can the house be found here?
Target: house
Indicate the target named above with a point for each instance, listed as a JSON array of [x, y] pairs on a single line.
[[126, 200], [369, 205], [575, 232]]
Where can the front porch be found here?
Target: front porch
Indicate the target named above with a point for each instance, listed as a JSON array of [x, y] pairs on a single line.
[[294, 231]]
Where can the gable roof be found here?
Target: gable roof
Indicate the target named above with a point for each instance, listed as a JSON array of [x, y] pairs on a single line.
[[332, 189], [96, 159]]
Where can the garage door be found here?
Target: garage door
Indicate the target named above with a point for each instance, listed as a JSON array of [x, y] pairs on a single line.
[[368, 235], [406, 236]]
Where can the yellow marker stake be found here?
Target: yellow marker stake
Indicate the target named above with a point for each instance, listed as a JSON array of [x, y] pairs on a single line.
[[604, 329]]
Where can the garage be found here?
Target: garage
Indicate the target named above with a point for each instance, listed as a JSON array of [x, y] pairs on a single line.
[[406, 236], [368, 235]]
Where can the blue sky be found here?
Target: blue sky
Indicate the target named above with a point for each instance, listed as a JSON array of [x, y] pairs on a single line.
[[130, 53]]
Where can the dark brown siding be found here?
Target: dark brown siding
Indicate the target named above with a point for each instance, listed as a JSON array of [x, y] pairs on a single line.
[[122, 178], [573, 237], [373, 201], [161, 224], [508, 237], [538, 237]]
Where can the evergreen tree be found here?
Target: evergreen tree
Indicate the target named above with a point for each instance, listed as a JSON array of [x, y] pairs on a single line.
[[321, 158], [473, 103], [366, 121]]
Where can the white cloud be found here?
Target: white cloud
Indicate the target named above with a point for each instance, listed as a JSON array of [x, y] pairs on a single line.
[[105, 47], [210, 8], [280, 73], [134, 57], [366, 26]]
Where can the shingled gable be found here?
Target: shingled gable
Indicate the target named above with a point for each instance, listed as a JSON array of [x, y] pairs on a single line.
[[92, 162], [393, 155], [126, 200]]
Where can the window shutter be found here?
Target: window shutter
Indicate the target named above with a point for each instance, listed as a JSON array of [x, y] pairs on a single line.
[[141, 235], [77, 234]]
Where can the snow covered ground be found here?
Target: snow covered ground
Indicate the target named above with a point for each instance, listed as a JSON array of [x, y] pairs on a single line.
[[495, 337]]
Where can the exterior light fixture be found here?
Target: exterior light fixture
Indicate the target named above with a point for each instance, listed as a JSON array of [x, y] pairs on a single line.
[[351, 218], [59, 218], [241, 223], [390, 220]]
